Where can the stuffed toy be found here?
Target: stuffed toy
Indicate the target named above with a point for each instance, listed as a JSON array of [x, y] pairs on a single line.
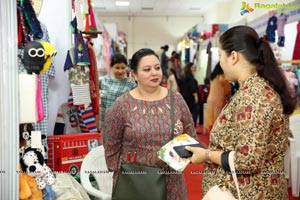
[[25, 139], [34, 165], [28, 188]]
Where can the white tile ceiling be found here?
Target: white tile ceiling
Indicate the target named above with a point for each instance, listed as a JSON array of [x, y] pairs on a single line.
[[155, 7]]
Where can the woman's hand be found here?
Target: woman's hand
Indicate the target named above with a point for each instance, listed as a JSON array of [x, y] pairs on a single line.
[[198, 154]]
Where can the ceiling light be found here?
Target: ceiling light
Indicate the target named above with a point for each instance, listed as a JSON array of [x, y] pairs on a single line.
[[122, 3], [195, 8], [147, 8]]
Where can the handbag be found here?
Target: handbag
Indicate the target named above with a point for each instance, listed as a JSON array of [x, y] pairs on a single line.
[[222, 193], [136, 182], [139, 182]]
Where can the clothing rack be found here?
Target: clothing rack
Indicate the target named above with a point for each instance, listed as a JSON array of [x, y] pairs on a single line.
[[290, 61]]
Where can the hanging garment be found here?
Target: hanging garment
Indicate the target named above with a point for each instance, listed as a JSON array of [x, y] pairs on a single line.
[[39, 101], [296, 54], [85, 115], [79, 75], [94, 82], [67, 120], [271, 28], [81, 94], [86, 119], [282, 19], [27, 98]]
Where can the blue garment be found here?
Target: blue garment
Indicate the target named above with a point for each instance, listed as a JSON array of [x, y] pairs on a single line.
[[271, 28]]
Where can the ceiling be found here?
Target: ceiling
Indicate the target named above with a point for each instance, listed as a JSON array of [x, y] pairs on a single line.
[[155, 7]]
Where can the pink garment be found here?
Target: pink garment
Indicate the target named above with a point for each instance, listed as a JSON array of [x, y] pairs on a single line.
[[282, 19], [106, 50], [39, 101]]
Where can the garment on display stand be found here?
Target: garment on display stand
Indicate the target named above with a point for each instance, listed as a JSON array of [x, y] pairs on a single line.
[[94, 82], [66, 120], [271, 27], [296, 54], [282, 19]]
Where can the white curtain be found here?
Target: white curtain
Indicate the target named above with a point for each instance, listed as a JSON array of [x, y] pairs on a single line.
[[9, 109]]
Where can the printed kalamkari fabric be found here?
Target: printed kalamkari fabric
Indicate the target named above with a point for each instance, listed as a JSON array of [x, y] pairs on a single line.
[[253, 125]]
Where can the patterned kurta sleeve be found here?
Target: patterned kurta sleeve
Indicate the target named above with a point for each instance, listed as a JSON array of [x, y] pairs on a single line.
[[254, 118], [185, 116], [113, 135]]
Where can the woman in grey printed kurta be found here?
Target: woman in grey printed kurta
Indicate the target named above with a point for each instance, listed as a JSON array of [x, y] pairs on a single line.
[[140, 121], [254, 124]]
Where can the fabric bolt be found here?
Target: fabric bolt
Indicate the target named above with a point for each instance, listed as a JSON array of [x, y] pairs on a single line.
[[42, 125], [253, 125], [81, 94], [111, 88], [144, 127]]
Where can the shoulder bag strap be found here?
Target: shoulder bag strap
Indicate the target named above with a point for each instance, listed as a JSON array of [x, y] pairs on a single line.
[[233, 172], [172, 113]]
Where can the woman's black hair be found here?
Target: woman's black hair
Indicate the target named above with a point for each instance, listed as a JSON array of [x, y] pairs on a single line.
[[118, 58], [258, 52], [187, 68], [175, 75], [217, 71], [137, 56]]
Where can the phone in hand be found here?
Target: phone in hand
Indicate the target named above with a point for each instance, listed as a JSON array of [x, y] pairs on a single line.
[[183, 153]]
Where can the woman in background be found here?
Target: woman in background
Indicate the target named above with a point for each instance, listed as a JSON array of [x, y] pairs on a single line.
[[189, 90], [219, 93], [172, 80], [114, 84]]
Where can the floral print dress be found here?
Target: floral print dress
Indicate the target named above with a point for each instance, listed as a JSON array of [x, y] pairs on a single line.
[[133, 125], [253, 125]]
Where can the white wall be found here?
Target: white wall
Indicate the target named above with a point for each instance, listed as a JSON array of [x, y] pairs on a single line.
[[291, 33], [151, 32], [56, 15]]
